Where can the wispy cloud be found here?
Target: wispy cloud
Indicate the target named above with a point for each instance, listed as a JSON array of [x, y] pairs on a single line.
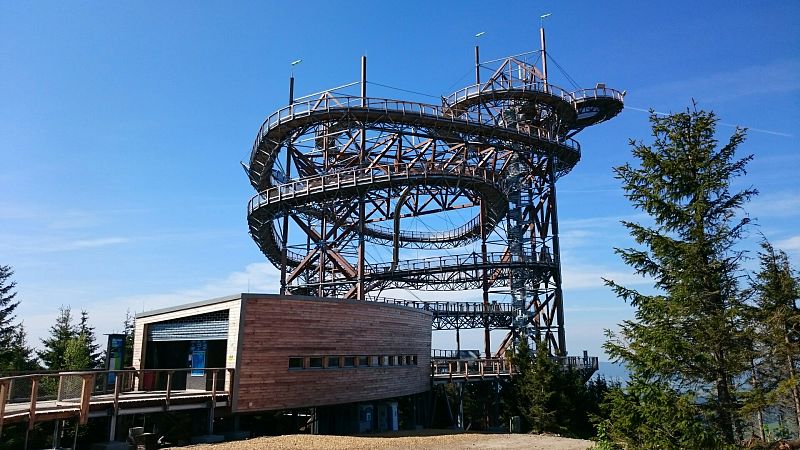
[[601, 221], [591, 277], [791, 244], [18, 212], [590, 309], [781, 204], [256, 277], [107, 315], [81, 244], [730, 125], [28, 245], [773, 78]]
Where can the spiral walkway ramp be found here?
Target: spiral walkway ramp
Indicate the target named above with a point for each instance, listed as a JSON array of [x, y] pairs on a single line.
[[356, 194]]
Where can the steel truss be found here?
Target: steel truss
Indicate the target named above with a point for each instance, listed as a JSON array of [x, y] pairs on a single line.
[[339, 177]]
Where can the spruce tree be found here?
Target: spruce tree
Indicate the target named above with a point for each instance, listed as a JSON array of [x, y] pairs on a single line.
[[76, 354], [552, 398], [24, 357], [129, 328], [8, 330], [777, 291], [688, 340], [53, 355], [90, 340]]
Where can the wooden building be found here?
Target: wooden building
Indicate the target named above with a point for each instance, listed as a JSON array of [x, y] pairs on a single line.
[[290, 351]]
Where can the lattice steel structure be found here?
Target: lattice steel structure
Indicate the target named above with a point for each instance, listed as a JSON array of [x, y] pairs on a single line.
[[340, 178]]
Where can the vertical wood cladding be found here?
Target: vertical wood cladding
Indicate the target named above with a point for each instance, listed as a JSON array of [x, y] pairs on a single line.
[[275, 329]]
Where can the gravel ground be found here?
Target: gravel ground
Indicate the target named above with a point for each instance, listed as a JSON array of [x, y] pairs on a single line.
[[441, 440]]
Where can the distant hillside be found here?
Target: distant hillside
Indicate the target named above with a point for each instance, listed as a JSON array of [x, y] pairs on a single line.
[[613, 372]]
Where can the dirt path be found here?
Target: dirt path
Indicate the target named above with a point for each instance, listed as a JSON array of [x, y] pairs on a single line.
[[442, 441]]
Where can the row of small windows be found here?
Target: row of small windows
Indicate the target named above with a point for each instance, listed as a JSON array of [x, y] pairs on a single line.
[[338, 362]]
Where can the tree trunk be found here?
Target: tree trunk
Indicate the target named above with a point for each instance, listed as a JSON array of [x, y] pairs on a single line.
[[760, 413], [795, 394], [724, 403]]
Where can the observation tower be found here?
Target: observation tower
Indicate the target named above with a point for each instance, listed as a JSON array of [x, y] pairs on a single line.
[[357, 194]]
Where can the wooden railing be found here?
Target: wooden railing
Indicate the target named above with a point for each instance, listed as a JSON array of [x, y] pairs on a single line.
[[72, 393], [471, 368]]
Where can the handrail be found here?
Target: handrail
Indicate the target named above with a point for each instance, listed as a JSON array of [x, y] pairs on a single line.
[[34, 394], [352, 177], [451, 366], [447, 307], [602, 92], [466, 368], [444, 235], [471, 259], [479, 89], [328, 103]]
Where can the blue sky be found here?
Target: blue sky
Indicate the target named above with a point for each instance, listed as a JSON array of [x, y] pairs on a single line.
[[122, 127]]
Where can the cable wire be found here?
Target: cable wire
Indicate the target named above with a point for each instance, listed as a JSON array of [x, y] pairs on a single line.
[[564, 72], [405, 90]]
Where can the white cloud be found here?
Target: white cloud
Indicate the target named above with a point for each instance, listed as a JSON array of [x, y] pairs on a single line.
[[591, 277], [782, 204], [9, 211], [595, 309], [791, 244], [81, 244], [774, 78], [107, 315], [24, 244]]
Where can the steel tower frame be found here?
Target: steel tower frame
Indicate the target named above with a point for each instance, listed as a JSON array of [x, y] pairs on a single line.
[[341, 175]]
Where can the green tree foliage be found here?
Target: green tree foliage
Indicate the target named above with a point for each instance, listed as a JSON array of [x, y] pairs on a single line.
[[15, 354], [23, 356], [70, 346], [649, 414], [551, 398], [77, 354], [89, 340], [129, 328], [689, 340], [776, 289], [8, 329], [53, 355]]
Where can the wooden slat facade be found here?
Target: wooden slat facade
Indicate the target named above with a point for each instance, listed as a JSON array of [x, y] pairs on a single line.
[[276, 329], [266, 330]]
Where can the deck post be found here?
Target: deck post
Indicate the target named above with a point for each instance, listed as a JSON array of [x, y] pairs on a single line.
[[75, 436], [57, 433], [5, 390], [86, 396], [213, 402], [32, 410], [60, 387], [169, 390], [112, 432], [460, 410]]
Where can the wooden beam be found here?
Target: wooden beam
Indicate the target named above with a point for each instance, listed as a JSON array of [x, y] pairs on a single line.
[[86, 395], [34, 394], [5, 388]]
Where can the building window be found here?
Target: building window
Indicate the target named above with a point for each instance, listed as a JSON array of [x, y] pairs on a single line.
[[315, 362], [338, 362], [295, 362]]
